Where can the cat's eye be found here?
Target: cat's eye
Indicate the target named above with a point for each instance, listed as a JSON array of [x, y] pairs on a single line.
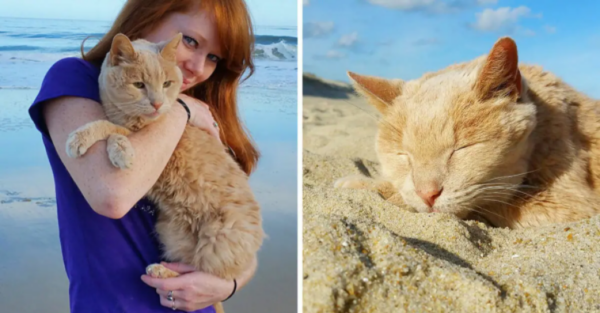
[[139, 85], [465, 146], [167, 84]]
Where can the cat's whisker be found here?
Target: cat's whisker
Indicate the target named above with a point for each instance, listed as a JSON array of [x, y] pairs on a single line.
[[488, 211], [511, 195], [508, 184], [511, 176], [511, 190], [499, 201]]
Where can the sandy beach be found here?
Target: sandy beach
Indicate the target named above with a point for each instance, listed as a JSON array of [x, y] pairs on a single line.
[[363, 254]]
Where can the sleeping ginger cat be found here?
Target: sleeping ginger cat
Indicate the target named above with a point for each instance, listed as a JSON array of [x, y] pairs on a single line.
[[207, 214], [486, 138]]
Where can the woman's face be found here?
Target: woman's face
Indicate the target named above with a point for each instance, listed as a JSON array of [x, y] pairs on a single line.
[[199, 50]]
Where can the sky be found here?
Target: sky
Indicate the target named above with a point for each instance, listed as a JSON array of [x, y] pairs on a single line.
[[264, 12], [407, 38]]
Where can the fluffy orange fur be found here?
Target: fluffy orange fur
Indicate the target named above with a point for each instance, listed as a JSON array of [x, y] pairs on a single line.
[[208, 216], [490, 138]]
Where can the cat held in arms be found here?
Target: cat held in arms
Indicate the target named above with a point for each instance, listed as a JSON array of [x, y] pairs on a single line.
[[207, 214], [489, 138]]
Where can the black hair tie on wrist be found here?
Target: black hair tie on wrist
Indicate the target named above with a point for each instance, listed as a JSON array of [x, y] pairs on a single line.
[[187, 109], [234, 288]]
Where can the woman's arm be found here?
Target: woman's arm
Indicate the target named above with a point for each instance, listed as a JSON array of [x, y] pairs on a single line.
[[110, 191], [247, 275], [195, 290]]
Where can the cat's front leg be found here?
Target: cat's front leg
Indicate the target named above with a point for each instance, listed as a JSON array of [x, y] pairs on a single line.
[[557, 204], [382, 187], [81, 139], [120, 151]]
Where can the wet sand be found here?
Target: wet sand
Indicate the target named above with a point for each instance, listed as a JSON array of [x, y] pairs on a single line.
[[31, 263]]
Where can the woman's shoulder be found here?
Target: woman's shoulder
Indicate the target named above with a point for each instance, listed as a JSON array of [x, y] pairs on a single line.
[[72, 77], [73, 66]]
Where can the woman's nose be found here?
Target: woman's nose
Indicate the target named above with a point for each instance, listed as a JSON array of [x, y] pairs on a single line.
[[195, 65]]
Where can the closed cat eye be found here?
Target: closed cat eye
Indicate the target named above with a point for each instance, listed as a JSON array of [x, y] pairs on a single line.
[[139, 85], [467, 146], [167, 84]]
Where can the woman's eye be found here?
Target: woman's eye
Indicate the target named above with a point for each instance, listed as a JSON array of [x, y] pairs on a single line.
[[214, 58], [167, 84], [139, 85], [190, 41]]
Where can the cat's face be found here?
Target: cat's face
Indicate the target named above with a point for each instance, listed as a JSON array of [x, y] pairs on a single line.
[[456, 140], [141, 78]]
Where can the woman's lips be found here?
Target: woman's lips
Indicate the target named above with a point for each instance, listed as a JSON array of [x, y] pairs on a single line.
[[185, 84]]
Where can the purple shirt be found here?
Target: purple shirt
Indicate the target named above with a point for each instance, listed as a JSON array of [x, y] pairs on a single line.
[[104, 258]]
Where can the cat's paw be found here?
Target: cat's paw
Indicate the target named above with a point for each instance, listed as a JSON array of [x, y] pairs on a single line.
[[353, 182], [77, 145], [120, 151], [159, 271]]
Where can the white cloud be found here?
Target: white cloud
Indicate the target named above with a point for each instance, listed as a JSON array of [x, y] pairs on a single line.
[[315, 29], [528, 32], [405, 4], [348, 40], [305, 2], [550, 29], [501, 18], [332, 54]]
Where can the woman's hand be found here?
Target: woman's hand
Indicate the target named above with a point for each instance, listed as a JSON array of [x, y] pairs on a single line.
[[196, 290], [201, 116], [192, 290]]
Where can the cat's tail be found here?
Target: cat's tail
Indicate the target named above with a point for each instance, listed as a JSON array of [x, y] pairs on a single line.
[[227, 246]]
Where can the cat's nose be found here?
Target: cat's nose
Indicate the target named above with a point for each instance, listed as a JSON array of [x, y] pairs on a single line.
[[429, 193], [157, 105]]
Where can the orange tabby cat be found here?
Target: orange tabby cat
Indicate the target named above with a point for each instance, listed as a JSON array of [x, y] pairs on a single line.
[[208, 216], [511, 143]]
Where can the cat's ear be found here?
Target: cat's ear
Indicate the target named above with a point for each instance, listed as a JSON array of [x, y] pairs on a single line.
[[169, 49], [500, 75], [121, 50], [379, 91]]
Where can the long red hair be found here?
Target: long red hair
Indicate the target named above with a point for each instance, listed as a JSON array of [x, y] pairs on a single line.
[[234, 27]]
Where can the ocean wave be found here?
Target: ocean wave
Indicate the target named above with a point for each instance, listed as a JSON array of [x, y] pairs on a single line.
[[284, 49], [63, 35], [20, 48], [19, 87], [260, 39], [42, 49], [279, 51], [268, 39]]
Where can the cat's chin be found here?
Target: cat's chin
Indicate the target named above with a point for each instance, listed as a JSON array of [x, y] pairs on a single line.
[[152, 116]]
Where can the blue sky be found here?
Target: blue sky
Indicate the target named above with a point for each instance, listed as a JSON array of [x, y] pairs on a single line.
[[406, 38], [264, 12]]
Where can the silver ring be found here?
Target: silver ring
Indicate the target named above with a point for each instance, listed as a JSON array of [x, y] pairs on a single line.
[[173, 307], [170, 296], [215, 125]]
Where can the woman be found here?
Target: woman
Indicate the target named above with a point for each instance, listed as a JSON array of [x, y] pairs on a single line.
[[106, 231]]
